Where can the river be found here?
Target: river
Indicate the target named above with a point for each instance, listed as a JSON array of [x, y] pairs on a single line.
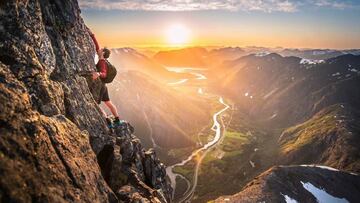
[[217, 128]]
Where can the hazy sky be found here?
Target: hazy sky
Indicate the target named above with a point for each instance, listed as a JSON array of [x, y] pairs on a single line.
[[286, 23]]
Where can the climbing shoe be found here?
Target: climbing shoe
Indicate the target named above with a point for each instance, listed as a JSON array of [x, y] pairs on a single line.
[[109, 123], [117, 122]]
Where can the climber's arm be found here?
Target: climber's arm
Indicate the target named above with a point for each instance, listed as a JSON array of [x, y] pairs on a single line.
[[97, 47], [103, 68]]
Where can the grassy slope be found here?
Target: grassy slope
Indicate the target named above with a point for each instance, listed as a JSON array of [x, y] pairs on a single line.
[[227, 167], [329, 138]]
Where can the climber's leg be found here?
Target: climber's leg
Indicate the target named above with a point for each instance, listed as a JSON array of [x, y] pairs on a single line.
[[103, 112], [112, 108]]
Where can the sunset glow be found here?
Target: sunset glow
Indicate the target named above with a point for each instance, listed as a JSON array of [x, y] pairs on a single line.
[[245, 23], [177, 35]]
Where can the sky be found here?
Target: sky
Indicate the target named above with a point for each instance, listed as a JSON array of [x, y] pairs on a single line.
[[267, 23]]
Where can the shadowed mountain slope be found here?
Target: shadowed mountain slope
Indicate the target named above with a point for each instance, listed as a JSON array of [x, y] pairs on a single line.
[[287, 90], [300, 184]]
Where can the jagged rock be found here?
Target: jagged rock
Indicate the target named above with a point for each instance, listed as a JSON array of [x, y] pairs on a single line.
[[54, 142], [131, 195], [130, 164], [155, 172], [43, 159]]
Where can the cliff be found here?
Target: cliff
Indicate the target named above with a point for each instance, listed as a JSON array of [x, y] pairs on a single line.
[[54, 143]]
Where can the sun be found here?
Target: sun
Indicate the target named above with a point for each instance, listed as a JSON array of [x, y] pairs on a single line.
[[178, 35]]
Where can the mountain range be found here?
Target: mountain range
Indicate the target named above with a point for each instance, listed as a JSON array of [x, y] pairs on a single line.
[[225, 124], [300, 107]]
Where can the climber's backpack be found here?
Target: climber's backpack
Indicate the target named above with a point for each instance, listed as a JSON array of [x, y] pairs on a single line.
[[111, 73]]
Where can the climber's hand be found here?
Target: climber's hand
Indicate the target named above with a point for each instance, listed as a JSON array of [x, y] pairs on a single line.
[[89, 31], [95, 75], [100, 53]]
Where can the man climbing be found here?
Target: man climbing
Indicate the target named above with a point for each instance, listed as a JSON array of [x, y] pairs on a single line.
[[102, 71]]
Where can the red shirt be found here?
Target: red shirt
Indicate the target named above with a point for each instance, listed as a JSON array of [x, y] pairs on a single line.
[[102, 63]]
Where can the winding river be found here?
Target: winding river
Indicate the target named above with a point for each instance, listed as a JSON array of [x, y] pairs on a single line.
[[217, 128]]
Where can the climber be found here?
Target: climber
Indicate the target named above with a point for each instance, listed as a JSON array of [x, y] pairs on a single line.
[[102, 71]]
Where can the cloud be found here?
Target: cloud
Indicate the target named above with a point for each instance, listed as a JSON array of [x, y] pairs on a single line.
[[231, 5], [333, 4], [190, 5]]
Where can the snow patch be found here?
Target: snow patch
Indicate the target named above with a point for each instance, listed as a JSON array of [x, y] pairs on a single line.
[[261, 54], [353, 70], [273, 116], [288, 199], [328, 168], [321, 195], [252, 164], [311, 62], [319, 166], [336, 74]]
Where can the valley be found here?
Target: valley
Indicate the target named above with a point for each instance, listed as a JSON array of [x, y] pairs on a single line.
[[199, 154], [242, 115]]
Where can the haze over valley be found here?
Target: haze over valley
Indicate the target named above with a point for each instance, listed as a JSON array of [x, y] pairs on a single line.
[[233, 113]]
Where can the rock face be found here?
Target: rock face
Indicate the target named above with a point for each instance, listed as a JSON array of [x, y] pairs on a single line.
[[54, 144], [300, 184]]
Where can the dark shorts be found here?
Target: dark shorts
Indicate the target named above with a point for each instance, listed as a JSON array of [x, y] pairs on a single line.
[[104, 94]]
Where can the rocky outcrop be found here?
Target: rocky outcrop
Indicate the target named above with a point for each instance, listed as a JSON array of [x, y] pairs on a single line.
[[42, 158], [300, 184], [54, 144]]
